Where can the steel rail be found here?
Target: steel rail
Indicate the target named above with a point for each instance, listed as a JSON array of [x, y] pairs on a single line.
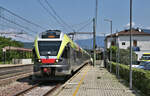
[[52, 90], [27, 90]]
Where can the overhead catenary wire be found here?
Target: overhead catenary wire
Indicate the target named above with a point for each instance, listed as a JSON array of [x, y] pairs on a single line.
[[84, 26], [53, 10], [18, 24], [20, 30], [22, 18], [15, 35], [81, 23], [49, 12], [12, 27]]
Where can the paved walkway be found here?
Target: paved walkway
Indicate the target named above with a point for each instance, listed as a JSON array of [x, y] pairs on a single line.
[[95, 81]]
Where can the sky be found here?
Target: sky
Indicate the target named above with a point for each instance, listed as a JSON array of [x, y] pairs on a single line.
[[79, 13]]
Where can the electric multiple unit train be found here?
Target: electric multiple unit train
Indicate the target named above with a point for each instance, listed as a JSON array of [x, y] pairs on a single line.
[[56, 56]]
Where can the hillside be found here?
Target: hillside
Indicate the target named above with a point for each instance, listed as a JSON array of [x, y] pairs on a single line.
[[85, 43], [88, 43]]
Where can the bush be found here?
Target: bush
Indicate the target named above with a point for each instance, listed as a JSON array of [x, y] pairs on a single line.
[[140, 77], [124, 55]]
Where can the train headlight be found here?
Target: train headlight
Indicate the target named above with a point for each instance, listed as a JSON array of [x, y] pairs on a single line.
[[39, 60], [57, 61]]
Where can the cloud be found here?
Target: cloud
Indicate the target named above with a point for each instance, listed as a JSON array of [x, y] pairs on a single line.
[[128, 25]]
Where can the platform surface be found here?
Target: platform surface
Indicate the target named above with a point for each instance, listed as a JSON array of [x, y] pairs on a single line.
[[95, 81]]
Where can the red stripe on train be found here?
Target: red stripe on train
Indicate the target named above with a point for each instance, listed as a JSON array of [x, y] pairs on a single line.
[[48, 60]]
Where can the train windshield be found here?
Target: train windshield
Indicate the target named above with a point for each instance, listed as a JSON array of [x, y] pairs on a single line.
[[49, 48]]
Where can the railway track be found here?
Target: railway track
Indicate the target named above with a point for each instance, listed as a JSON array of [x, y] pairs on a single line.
[[39, 89], [8, 72], [12, 79]]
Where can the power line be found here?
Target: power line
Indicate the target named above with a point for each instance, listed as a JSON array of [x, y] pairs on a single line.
[[84, 26], [81, 23], [51, 14], [50, 6], [17, 24], [11, 27], [22, 18], [22, 37], [21, 30]]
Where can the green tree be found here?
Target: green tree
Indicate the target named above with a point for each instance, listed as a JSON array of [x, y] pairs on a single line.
[[9, 42]]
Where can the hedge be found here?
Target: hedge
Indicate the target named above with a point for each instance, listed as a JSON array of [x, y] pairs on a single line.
[[140, 77]]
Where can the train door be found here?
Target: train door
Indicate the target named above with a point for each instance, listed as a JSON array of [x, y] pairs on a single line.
[[72, 58], [68, 56]]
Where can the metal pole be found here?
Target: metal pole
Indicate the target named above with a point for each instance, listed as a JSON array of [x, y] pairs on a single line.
[[117, 55], [94, 40], [96, 10], [110, 46], [104, 52], [110, 42], [118, 60], [130, 44], [94, 30]]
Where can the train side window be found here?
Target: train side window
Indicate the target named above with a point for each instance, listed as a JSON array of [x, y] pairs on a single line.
[[64, 55], [34, 53], [78, 54]]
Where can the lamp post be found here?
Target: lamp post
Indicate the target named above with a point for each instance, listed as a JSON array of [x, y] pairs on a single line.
[[117, 55], [110, 43], [104, 54], [130, 44]]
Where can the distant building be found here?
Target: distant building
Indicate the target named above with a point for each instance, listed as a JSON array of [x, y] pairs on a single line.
[[140, 43]]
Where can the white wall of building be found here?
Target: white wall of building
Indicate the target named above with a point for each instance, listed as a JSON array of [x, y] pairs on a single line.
[[142, 41]]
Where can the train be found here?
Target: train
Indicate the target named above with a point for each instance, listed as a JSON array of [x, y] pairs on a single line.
[[56, 56]]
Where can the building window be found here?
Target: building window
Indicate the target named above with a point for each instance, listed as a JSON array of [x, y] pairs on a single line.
[[135, 47], [123, 43], [135, 43], [112, 43]]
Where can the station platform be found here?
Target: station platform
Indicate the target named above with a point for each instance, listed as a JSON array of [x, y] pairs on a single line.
[[95, 81]]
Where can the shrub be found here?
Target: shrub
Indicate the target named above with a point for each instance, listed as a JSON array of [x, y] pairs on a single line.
[[124, 55], [140, 77]]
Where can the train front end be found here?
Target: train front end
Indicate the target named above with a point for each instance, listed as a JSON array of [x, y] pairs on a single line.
[[47, 64]]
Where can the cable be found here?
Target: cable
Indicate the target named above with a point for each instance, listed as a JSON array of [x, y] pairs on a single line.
[[51, 14], [21, 37], [50, 6], [81, 23], [22, 18], [17, 24], [11, 27], [84, 26]]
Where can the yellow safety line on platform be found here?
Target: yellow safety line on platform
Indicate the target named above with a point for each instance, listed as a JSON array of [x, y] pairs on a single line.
[[79, 84]]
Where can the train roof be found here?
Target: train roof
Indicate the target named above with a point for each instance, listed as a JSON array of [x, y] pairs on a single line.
[[51, 35]]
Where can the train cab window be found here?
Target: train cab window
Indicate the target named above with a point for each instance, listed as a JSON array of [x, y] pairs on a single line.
[[49, 48]]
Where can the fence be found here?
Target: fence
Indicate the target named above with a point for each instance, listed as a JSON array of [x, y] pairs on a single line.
[[8, 54]]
